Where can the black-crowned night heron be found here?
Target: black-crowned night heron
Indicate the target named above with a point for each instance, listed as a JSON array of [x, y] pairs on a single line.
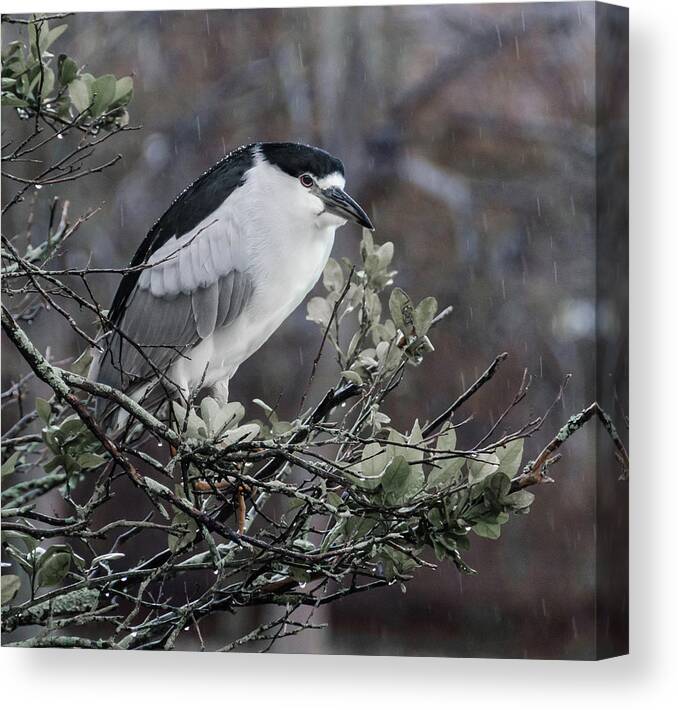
[[218, 273]]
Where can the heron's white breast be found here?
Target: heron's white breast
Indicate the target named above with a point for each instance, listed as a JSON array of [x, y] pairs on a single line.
[[286, 247]]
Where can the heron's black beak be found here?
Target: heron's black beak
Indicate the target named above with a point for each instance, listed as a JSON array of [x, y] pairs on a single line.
[[343, 205]]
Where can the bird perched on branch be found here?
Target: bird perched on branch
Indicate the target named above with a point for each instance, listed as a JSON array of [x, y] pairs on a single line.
[[218, 273]]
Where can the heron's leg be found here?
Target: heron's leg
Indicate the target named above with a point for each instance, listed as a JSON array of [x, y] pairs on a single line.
[[219, 390]]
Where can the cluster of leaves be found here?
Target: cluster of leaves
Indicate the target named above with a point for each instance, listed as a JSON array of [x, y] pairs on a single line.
[[32, 82], [44, 567], [377, 348], [218, 425], [75, 449], [431, 494]]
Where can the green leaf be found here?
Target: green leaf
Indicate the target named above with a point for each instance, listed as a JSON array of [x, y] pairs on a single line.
[[400, 307], [372, 306], [71, 427], [12, 100], [373, 462], [489, 530], [9, 586], [80, 95], [510, 457], [497, 487], [36, 32], [44, 409], [358, 526], [366, 245], [410, 455], [51, 37], [103, 93], [385, 254], [53, 566], [396, 477], [424, 314], [446, 474], [388, 356], [90, 461], [368, 473], [224, 417], [520, 500], [195, 427], [124, 88], [296, 503], [9, 464], [68, 69], [319, 311], [246, 432], [482, 467], [416, 437], [352, 376], [88, 79], [333, 276], [416, 482], [81, 365], [447, 440]]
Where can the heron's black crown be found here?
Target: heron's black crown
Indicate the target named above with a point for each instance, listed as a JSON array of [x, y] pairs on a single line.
[[296, 159]]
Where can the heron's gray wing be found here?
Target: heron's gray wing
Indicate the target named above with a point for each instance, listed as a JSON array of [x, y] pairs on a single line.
[[192, 286]]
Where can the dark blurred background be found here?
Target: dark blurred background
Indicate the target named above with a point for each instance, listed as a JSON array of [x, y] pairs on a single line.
[[469, 135]]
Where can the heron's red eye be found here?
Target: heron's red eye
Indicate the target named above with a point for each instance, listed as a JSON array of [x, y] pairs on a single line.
[[306, 180]]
